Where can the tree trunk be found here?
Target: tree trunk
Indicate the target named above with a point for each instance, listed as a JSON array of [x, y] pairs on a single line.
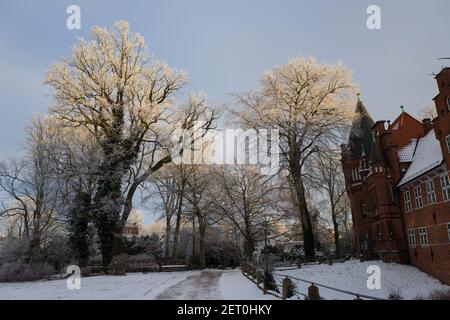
[[79, 227], [177, 225], [249, 248], [167, 238], [202, 244], [337, 243], [308, 235]]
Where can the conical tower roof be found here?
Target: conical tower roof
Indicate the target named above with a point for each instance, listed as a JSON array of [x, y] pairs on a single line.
[[360, 132]]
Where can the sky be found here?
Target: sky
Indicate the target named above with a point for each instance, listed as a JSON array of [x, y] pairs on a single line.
[[225, 46]]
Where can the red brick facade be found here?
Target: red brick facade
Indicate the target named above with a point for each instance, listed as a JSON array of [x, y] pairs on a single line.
[[398, 182]]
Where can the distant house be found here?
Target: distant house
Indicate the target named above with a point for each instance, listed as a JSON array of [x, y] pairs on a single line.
[[397, 178], [130, 231]]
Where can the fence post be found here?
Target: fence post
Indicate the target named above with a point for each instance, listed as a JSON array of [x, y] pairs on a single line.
[[313, 292], [287, 283]]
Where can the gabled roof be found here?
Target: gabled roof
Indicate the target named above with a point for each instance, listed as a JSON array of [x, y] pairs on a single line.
[[427, 156], [404, 128]]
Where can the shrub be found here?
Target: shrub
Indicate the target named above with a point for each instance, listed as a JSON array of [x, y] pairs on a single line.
[[222, 255], [13, 251], [58, 253], [395, 294], [440, 295], [20, 271]]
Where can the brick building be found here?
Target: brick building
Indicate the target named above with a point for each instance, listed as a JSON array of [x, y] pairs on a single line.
[[397, 178]]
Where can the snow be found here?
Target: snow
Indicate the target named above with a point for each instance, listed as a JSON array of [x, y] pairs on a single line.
[[132, 286], [352, 276], [234, 286], [406, 154], [189, 285], [230, 284], [428, 155]]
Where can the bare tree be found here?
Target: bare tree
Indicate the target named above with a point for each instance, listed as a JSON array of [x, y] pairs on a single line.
[[248, 201], [32, 187], [308, 103]]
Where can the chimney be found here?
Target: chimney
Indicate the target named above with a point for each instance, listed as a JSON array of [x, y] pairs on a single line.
[[427, 125]]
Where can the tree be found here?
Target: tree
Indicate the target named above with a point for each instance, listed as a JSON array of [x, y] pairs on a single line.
[[125, 98], [32, 188], [307, 102], [247, 200], [197, 185], [329, 179], [79, 155]]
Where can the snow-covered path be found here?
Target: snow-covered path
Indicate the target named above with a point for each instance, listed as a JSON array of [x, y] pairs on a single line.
[[203, 286]]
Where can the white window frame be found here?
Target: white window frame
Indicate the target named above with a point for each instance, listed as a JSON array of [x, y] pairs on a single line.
[[423, 235], [407, 201], [418, 197], [412, 237], [431, 191], [445, 184]]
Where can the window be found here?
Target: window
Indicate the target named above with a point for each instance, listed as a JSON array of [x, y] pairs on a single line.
[[407, 196], [447, 139], [373, 200], [448, 229], [391, 193], [431, 192], [363, 208], [412, 237], [447, 99], [418, 196], [445, 183], [423, 236]]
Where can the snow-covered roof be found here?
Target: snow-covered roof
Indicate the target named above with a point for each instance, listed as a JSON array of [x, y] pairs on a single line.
[[427, 156], [406, 154]]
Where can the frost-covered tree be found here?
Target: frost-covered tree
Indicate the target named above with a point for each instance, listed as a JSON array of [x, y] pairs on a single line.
[[126, 99], [308, 103]]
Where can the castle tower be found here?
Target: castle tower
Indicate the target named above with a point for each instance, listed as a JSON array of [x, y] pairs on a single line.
[[353, 158]]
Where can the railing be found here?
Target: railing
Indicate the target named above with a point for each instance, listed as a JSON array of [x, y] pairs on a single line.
[[288, 289]]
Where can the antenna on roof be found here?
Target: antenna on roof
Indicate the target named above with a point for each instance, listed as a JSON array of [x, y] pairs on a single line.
[[444, 58]]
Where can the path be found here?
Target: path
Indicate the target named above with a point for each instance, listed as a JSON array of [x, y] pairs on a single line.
[[204, 286]]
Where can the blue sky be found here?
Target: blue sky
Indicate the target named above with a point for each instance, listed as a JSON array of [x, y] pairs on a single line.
[[225, 46]]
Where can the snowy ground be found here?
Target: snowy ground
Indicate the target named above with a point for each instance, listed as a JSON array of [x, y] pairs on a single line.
[[352, 276], [230, 284], [190, 285]]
